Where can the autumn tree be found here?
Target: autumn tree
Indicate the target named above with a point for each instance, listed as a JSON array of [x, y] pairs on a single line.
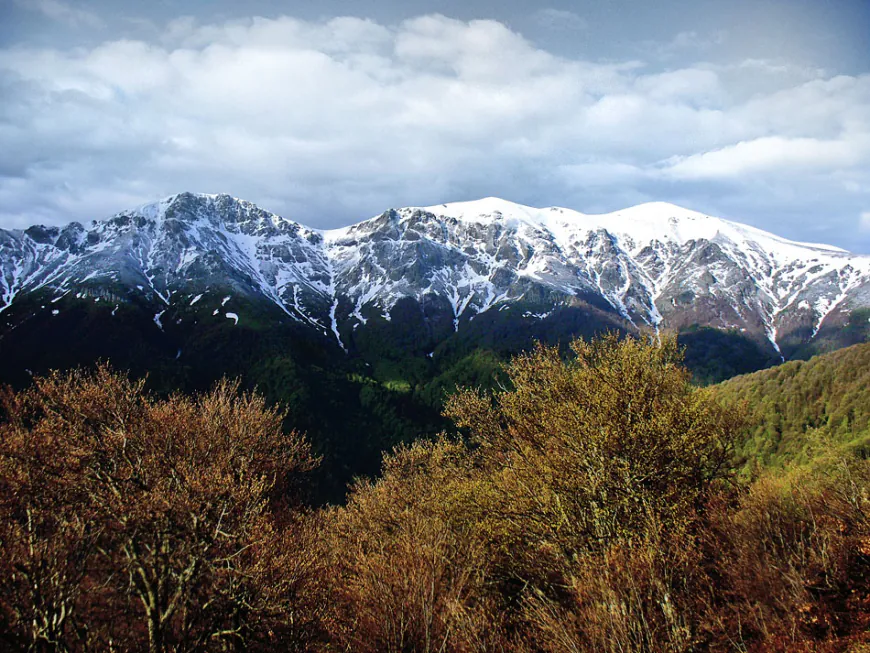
[[409, 573], [589, 448], [165, 502], [602, 458], [594, 472], [47, 539]]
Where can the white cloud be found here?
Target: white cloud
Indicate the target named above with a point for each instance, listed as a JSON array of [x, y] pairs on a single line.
[[63, 12], [334, 121], [689, 85], [687, 41], [560, 19], [864, 221], [772, 154]]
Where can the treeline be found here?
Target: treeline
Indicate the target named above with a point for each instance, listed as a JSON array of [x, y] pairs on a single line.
[[591, 505]]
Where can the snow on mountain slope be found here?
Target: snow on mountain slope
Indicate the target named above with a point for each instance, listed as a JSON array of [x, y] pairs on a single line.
[[656, 264], [659, 235], [174, 247]]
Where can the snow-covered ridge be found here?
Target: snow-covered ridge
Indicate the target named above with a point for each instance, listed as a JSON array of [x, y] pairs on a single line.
[[642, 223], [655, 264]]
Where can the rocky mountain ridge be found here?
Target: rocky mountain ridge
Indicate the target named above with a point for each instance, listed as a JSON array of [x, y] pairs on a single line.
[[653, 266]]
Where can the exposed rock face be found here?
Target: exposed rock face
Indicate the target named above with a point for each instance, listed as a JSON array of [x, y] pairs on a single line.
[[654, 266]]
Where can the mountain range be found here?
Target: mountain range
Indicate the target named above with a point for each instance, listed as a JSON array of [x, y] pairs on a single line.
[[195, 258]]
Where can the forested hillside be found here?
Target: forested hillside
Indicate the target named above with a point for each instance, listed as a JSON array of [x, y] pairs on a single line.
[[804, 406]]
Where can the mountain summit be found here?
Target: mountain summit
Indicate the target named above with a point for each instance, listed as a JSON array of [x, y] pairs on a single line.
[[192, 258]]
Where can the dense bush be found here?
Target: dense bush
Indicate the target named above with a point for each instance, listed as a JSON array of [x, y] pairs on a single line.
[[592, 510]]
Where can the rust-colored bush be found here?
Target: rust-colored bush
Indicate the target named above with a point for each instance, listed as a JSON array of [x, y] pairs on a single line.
[[409, 571], [792, 558], [649, 593]]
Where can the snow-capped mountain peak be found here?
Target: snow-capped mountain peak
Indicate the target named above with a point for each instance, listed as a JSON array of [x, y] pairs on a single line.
[[655, 264], [644, 223]]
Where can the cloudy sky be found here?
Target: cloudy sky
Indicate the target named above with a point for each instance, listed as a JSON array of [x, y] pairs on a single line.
[[330, 111]]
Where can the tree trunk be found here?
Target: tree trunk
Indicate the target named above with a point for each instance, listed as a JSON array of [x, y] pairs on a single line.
[[155, 633]]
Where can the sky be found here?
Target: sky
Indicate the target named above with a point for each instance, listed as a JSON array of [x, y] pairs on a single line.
[[331, 111]]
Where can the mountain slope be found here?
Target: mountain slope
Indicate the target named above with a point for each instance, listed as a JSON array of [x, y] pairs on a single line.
[[655, 265], [215, 260], [794, 404]]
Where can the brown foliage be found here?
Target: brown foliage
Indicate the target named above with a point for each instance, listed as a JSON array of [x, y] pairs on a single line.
[[585, 515], [643, 595], [161, 508], [578, 468], [585, 512], [792, 557], [580, 455], [406, 578]]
